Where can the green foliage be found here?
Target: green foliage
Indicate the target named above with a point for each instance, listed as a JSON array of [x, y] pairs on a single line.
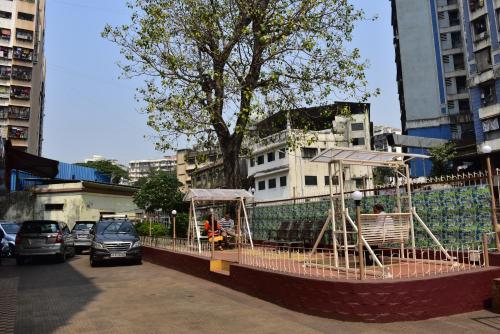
[[157, 230], [159, 191], [108, 168], [213, 67], [442, 159], [181, 225], [381, 175]]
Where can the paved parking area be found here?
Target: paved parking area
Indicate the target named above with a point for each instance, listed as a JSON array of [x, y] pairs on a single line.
[[46, 297]]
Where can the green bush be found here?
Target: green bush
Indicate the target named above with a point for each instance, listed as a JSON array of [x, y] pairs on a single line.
[[157, 230], [181, 225]]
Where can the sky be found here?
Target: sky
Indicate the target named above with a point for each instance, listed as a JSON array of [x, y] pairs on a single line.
[[89, 110]]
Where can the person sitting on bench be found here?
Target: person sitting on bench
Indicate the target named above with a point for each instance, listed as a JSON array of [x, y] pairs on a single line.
[[216, 234]]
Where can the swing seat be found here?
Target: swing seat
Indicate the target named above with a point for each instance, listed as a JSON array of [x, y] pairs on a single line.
[[217, 238], [385, 228]]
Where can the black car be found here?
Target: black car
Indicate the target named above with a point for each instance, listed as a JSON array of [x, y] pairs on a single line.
[[114, 240]]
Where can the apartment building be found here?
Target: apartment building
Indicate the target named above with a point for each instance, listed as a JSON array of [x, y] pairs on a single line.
[[280, 171], [22, 73], [190, 160], [141, 168], [380, 138], [433, 53]]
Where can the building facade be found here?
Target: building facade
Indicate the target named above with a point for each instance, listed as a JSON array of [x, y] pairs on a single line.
[[280, 171], [141, 168], [22, 73], [434, 54], [190, 160], [380, 141]]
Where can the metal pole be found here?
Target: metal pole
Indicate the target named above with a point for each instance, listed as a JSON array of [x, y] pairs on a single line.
[[410, 208], [398, 198], [212, 253], [238, 218], [334, 225], [485, 251], [174, 231], [494, 220], [341, 183], [360, 241]]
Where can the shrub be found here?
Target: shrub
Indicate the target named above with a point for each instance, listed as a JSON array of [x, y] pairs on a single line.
[[157, 230]]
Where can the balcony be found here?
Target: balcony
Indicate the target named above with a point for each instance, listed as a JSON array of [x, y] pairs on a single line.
[[489, 111], [23, 54], [24, 35], [20, 93], [15, 112], [5, 34], [21, 73], [5, 53], [4, 92], [5, 72], [18, 132]]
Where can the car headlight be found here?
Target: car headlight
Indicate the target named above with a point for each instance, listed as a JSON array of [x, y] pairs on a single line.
[[136, 244], [97, 245]]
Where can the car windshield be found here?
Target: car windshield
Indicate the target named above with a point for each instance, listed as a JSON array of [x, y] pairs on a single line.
[[10, 228], [83, 226], [115, 227], [39, 227]]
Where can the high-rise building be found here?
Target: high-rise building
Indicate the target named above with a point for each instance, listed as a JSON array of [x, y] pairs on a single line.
[[436, 71], [22, 73], [141, 168], [381, 141]]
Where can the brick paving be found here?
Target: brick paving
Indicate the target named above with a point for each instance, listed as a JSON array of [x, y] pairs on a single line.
[[47, 297]]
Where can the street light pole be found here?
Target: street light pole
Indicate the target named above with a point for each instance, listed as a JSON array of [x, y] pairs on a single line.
[[486, 149], [356, 196], [174, 213]]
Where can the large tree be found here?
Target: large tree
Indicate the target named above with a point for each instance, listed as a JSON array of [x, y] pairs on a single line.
[[442, 157], [214, 66], [160, 190]]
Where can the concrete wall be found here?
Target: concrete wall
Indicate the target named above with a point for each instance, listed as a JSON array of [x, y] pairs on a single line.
[[17, 206], [418, 60], [83, 206]]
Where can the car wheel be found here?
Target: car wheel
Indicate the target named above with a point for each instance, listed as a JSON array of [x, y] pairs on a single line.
[[12, 250], [138, 262], [93, 262], [62, 257], [19, 260], [73, 252]]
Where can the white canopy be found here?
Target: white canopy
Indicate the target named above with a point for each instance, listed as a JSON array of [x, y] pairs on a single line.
[[364, 157], [216, 194]]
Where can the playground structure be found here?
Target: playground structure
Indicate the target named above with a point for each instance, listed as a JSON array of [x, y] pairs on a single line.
[[372, 230], [212, 197]]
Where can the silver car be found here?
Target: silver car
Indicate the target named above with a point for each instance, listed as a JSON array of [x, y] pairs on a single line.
[[44, 237], [81, 234]]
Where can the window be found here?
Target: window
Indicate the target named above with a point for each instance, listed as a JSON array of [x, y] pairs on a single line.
[[5, 72], [463, 105], [456, 39], [359, 183], [357, 126], [23, 54], [260, 160], [252, 162], [282, 181], [281, 154], [335, 180], [488, 96], [480, 29], [24, 35], [271, 183], [453, 17], [19, 92], [483, 60], [311, 180], [54, 207], [5, 52], [25, 16], [476, 4], [5, 34], [4, 92], [18, 132], [309, 152], [262, 185], [358, 141], [270, 156], [458, 61], [461, 84], [5, 15], [21, 73]]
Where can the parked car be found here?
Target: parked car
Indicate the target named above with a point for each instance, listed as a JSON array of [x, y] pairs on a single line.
[[44, 237], [81, 234], [115, 239], [8, 231]]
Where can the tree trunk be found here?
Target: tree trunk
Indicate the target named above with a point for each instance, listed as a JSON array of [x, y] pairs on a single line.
[[230, 153]]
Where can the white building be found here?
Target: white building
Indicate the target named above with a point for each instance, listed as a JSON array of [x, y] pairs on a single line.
[[281, 172], [142, 168], [380, 141]]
